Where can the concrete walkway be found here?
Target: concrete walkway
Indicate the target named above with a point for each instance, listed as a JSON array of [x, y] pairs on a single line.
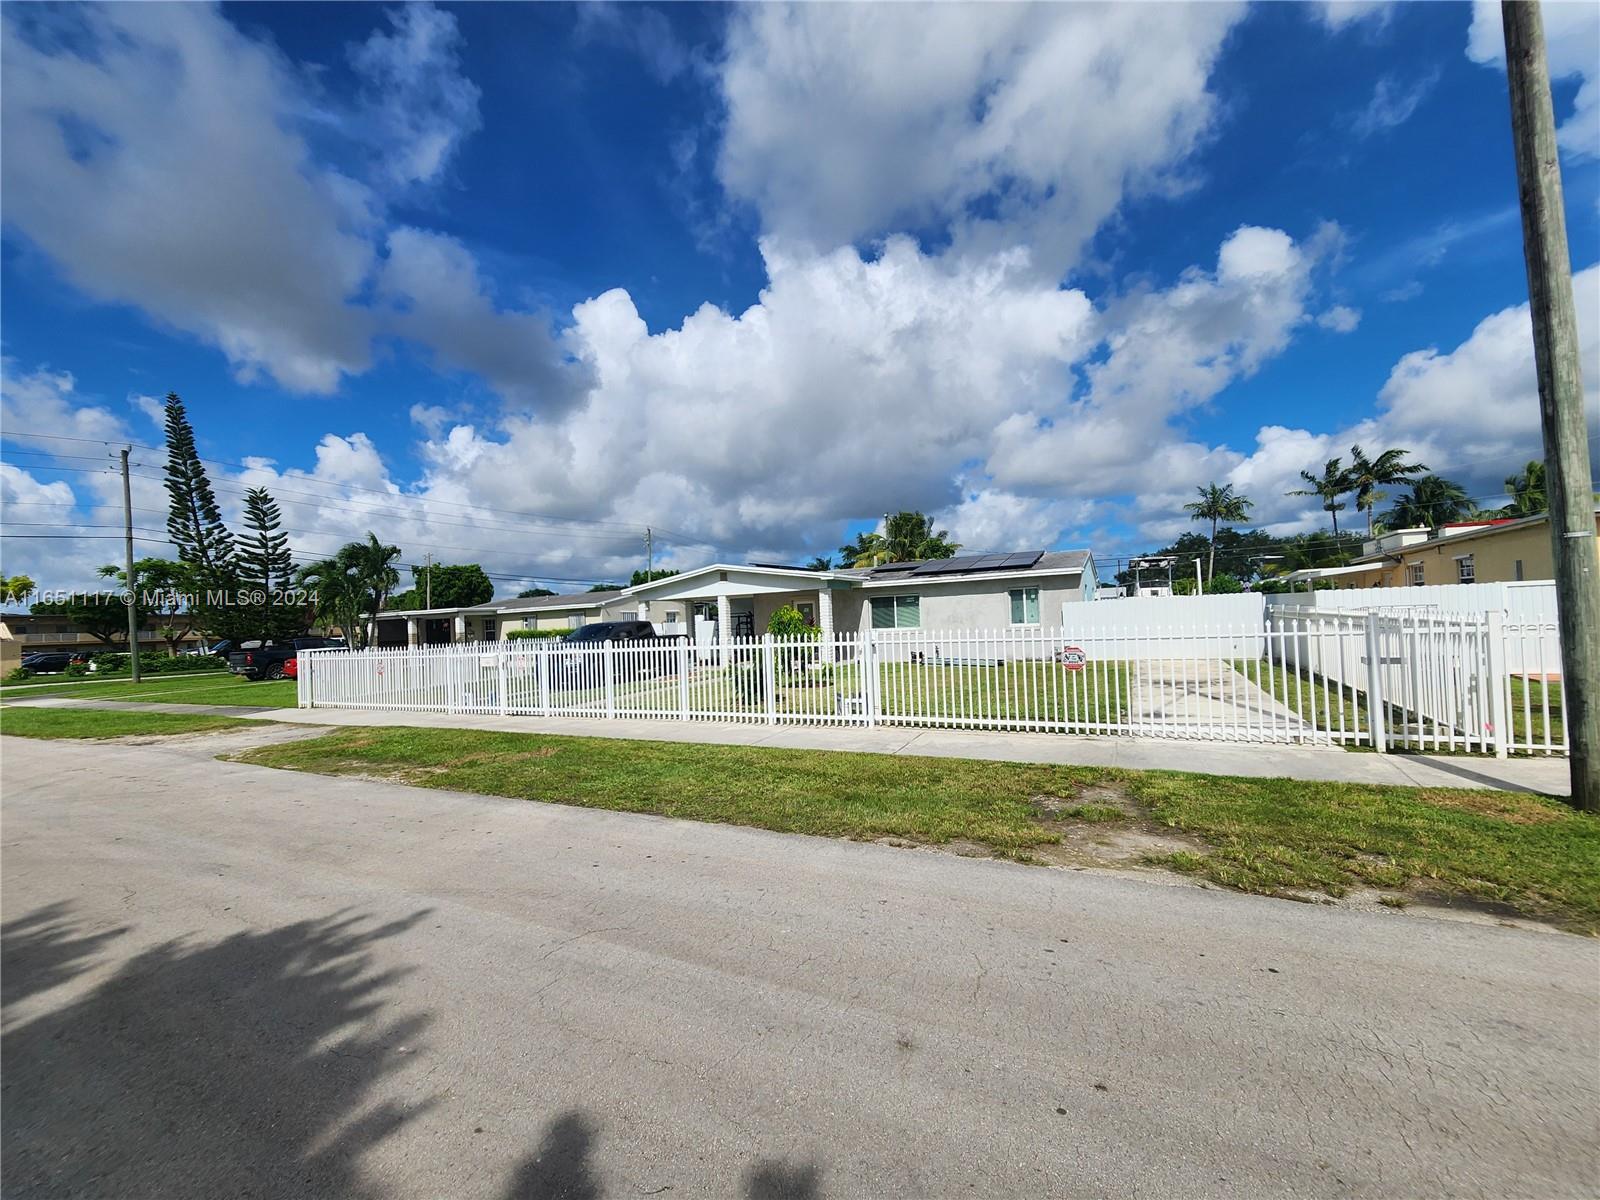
[[1547, 775]]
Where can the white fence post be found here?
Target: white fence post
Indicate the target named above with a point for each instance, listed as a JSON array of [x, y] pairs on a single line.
[[502, 667], [683, 680], [769, 679], [1375, 718], [1499, 684], [543, 660], [869, 677], [302, 684], [609, 659]]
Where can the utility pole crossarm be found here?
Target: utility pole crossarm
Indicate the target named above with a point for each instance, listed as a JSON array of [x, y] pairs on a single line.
[[1555, 354]]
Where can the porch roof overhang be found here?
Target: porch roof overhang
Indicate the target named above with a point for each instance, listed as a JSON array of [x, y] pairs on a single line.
[[731, 579], [1309, 573]]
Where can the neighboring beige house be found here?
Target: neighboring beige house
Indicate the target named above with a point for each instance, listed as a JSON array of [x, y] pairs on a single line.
[[972, 591], [1499, 551], [25, 633]]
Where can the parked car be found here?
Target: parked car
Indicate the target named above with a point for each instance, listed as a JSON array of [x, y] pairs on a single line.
[[584, 667], [47, 662], [266, 659], [291, 669]]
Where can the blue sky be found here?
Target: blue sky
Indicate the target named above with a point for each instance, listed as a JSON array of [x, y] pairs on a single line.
[[508, 283]]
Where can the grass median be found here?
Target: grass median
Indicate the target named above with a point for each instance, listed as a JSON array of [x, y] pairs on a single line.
[[214, 687], [1271, 836], [102, 723]]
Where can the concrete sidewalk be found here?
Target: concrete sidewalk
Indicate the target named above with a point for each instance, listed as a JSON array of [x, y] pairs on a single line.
[[1547, 775]]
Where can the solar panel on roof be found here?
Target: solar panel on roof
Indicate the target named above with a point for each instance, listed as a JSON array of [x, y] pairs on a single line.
[[948, 566], [1025, 558]]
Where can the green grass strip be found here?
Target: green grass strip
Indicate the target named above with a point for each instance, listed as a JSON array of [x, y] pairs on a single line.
[[102, 723], [1273, 836]]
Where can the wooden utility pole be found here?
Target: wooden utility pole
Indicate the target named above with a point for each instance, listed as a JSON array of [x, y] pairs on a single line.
[[1555, 354], [427, 580], [127, 571]]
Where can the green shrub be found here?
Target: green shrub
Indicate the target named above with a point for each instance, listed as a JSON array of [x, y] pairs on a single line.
[[18, 675], [520, 634], [77, 669], [104, 663], [787, 623]]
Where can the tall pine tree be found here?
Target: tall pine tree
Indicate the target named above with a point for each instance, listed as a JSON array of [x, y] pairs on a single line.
[[194, 522], [266, 568], [194, 526]]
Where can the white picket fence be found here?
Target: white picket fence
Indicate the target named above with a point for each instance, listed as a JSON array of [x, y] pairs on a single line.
[[1303, 676]]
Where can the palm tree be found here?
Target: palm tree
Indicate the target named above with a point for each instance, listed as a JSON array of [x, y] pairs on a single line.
[[821, 562], [1432, 501], [1329, 486], [337, 595], [868, 550], [371, 564], [1527, 491], [910, 535], [1218, 504], [1367, 475]]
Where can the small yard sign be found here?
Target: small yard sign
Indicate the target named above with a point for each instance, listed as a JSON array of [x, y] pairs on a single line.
[[1073, 657]]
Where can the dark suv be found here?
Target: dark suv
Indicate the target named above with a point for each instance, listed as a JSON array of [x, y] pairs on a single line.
[[616, 631], [648, 653]]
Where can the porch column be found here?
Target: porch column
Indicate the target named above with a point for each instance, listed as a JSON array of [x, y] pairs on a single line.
[[460, 633], [724, 621], [411, 632], [825, 621]]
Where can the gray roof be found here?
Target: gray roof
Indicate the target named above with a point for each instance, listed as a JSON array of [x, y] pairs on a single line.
[[1053, 562], [565, 600], [518, 604]]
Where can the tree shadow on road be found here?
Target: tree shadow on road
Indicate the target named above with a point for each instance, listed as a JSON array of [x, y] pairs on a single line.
[[238, 1068], [562, 1168], [44, 949]]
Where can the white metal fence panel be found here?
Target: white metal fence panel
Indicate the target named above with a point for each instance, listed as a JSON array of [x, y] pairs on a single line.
[[1422, 680]]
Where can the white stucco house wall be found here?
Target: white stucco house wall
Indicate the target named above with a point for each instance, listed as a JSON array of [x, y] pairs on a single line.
[[968, 592]]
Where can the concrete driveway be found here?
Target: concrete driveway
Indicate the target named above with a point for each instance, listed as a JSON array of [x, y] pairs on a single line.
[[223, 980]]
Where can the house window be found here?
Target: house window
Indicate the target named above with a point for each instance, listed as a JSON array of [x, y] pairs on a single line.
[[808, 612], [530, 622], [896, 612], [1025, 606], [490, 629], [1414, 574], [574, 620], [1465, 573], [1516, 570], [630, 615]]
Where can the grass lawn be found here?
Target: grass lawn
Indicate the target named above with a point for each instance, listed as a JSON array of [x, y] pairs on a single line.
[[100, 723], [1271, 836], [217, 687], [1529, 722]]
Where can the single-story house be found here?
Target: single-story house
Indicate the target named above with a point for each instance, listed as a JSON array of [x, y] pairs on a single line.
[[1501, 550], [490, 621], [974, 591]]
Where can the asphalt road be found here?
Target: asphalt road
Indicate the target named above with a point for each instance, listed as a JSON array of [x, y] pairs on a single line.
[[221, 980]]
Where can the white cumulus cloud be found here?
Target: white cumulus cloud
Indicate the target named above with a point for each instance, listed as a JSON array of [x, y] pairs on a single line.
[[1004, 123]]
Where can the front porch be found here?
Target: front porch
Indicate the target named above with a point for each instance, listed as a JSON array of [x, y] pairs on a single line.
[[735, 602]]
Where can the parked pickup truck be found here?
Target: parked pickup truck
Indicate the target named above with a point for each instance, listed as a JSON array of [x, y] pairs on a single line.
[[265, 660]]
